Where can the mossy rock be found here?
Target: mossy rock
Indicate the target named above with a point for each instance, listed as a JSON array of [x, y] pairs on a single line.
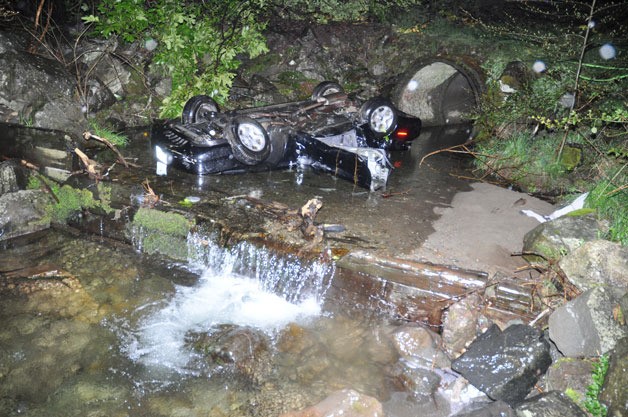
[[554, 239], [161, 232]]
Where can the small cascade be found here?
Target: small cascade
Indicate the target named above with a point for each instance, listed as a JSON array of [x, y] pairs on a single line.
[[288, 276], [243, 285]]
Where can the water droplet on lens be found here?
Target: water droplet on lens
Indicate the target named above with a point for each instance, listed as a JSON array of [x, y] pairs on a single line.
[[607, 51], [539, 66]]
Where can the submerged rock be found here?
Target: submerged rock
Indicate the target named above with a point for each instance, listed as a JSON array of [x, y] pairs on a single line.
[[420, 383], [244, 350], [505, 364], [420, 347], [549, 404], [346, 403], [586, 326]]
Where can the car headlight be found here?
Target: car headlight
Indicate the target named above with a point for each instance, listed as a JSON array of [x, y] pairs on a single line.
[[163, 156]]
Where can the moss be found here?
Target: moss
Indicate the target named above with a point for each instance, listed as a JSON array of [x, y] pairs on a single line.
[[70, 200], [173, 224]]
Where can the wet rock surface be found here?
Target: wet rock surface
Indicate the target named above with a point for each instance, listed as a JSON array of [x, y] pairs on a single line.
[[586, 326], [550, 404], [495, 409], [420, 347], [505, 364]]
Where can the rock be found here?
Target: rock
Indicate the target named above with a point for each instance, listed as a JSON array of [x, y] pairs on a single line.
[[39, 89], [557, 238], [505, 365], [23, 212], [100, 62], [244, 350], [460, 324], [420, 383], [13, 177], [494, 409], [421, 347], [586, 326], [614, 393], [569, 374], [598, 262], [549, 404], [346, 403]]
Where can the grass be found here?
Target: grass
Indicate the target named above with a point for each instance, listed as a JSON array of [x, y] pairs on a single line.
[[592, 403], [115, 138]]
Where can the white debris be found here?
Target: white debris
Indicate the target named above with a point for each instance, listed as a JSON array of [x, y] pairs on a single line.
[[577, 204]]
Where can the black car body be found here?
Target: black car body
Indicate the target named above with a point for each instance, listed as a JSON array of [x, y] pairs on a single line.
[[331, 131]]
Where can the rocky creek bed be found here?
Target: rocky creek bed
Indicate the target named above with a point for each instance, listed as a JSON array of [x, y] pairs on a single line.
[[425, 310]]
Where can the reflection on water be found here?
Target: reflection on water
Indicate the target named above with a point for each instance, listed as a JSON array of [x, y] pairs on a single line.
[[116, 344]]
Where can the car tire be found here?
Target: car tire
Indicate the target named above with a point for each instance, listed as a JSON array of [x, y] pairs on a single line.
[[198, 109], [249, 140], [326, 88], [278, 145], [380, 116]]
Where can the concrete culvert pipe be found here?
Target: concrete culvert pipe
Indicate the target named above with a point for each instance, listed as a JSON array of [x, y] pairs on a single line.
[[440, 91]]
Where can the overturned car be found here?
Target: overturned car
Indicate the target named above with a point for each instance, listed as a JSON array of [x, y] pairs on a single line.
[[331, 131]]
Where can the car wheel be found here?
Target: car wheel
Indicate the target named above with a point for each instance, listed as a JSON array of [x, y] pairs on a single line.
[[248, 139], [278, 144], [198, 109], [380, 115], [326, 88]]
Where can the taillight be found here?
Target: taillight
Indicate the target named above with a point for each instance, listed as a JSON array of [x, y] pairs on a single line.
[[402, 134]]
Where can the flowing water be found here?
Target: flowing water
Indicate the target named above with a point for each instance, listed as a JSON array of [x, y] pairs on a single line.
[[117, 342]]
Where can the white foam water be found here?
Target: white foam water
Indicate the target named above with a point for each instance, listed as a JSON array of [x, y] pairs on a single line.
[[218, 298]]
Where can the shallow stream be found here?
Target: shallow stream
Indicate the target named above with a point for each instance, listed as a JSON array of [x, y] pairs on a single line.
[[115, 344]]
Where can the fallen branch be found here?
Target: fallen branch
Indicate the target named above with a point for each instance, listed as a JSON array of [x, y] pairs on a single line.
[[90, 165], [89, 135]]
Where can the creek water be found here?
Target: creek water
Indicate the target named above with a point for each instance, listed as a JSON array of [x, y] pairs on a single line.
[[116, 343], [110, 331]]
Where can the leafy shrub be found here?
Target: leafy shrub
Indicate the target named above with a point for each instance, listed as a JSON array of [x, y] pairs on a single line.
[[196, 44]]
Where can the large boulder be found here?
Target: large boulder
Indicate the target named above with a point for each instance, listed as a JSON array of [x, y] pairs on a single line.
[[595, 263], [554, 239], [505, 364], [37, 89], [586, 326]]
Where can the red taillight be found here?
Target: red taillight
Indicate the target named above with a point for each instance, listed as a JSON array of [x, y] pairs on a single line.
[[402, 134]]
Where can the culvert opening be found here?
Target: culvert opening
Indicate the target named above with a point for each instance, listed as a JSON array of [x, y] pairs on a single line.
[[440, 91]]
